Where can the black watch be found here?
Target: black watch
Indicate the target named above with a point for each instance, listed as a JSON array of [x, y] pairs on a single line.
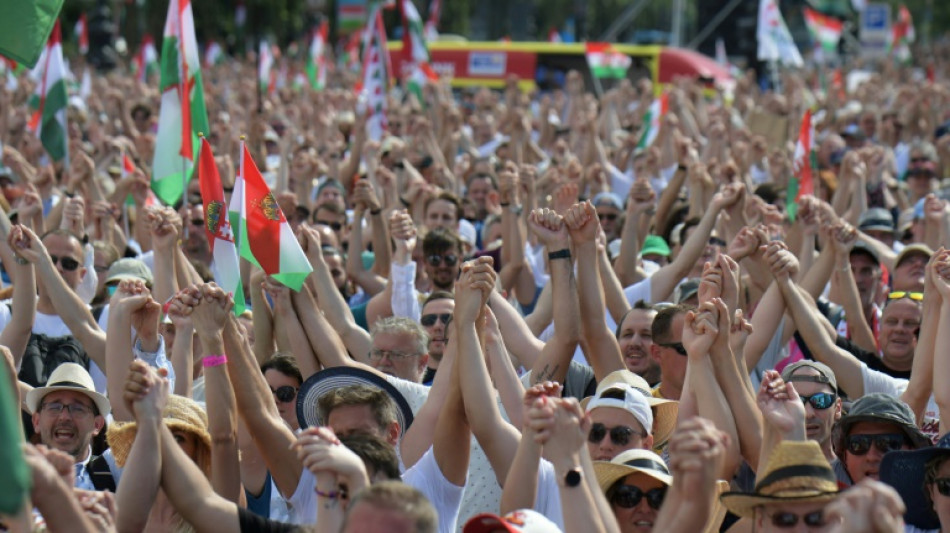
[[573, 477]]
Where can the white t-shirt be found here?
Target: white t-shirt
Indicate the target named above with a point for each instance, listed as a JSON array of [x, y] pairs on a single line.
[[302, 505], [548, 499], [427, 477]]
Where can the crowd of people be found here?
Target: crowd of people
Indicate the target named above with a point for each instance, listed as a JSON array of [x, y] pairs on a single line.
[[520, 316]]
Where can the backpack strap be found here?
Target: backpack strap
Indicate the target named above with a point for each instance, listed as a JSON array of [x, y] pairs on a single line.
[[101, 475]]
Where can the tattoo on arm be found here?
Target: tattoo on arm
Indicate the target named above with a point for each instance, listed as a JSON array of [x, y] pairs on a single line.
[[546, 373]]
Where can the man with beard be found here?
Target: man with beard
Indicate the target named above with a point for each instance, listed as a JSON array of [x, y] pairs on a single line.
[[636, 341], [436, 314], [67, 414]]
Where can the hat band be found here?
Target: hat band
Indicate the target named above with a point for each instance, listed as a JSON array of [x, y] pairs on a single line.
[[71, 384], [648, 464], [814, 471]]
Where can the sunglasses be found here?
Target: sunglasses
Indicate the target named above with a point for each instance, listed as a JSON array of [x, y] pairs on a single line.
[[610, 217], [69, 264], [787, 520], [335, 226], [430, 320], [197, 222], [943, 485], [285, 394], [861, 444], [629, 496], [822, 400], [716, 241], [436, 260], [897, 295], [678, 346], [919, 160], [619, 435]]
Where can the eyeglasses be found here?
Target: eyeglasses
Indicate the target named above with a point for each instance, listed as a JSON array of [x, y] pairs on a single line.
[[69, 264], [335, 226], [789, 520], [610, 217], [716, 241], [678, 346], [285, 394], [436, 260], [429, 320], [897, 295], [377, 355], [619, 435], [861, 444], [197, 222], [75, 410], [943, 485], [629, 496], [822, 400]]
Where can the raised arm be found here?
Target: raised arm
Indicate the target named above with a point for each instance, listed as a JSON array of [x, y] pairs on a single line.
[[842, 237], [16, 334], [287, 322], [131, 306], [520, 489], [399, 297], [941, 361], [364, 199], [641, 203]]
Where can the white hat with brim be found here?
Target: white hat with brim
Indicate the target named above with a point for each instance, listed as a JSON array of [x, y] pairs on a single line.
[[664, 411], [69, 377], [520, 521], [631, 462]]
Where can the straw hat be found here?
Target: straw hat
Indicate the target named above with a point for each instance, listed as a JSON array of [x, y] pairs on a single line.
[[181, 413], [632, 462], [797, 472], [71, 377], [664, 411]]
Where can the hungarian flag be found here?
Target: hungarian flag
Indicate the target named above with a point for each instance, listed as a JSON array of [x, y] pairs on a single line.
[[316, 59], [803, 166], [213, 54], [902, 34], [375, 77], [651, 120], [775, 42], [50, 99], [606, 62], [226, 266], [82, 34], [554, 36], [266, 75], [17, 477], [825, 30], [25, 28], [146, 61], [415, 49], [432, 25], [263, 236], [182, 114]]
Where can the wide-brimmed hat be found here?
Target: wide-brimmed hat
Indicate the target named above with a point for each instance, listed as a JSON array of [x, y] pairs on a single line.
[[905, 471], [797, 472], [181, 413], [631, 462], [880, 407], [71, 377], [520, 521], [664, 411], [326, 380]]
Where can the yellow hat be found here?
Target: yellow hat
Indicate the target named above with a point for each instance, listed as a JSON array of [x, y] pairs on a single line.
[[181, 413]]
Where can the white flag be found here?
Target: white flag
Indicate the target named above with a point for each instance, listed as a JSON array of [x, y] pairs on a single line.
[[775, 41]]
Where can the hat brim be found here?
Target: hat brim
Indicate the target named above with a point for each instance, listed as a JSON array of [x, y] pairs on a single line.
[[913, 433], [904, 470], [124, 277], [664, 417], [324, 381], [608, 473], [34, 397], [743, 504], [877, 227], [121, 436]]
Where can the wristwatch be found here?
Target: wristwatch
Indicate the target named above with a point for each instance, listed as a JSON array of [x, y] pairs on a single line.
[[573, 477]]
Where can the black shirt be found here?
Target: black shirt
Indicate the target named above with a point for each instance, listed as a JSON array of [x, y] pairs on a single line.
[[870, 358]]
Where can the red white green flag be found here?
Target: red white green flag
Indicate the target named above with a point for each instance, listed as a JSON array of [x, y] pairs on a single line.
[[50, 99], [182, 114], [375, 77], [82, 34], [803, 166], [902, 34], [214, 54], [651, 120], [226, 266], [317, 59], [825, 30], [605, 61], [416, 50], [263, 235], [266, 74], [432, 25], [145, 62]]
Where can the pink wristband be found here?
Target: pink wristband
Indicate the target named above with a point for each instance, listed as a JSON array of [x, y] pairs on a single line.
[[214, 360]]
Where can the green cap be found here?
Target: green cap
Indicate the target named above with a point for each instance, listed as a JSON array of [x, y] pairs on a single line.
[[655, 245]]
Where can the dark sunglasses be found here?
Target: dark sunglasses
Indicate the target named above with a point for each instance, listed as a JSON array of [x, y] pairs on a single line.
[[629, 496], [429, 320], [789, 520], [919, 160], [822, 400], [861, 444], [716, 241], [897, 295], [69, 264], [284, 394], [943, 485], [436, 260], [197, 222], [607, 216], [619, 435], [335, 226], [678, 346]]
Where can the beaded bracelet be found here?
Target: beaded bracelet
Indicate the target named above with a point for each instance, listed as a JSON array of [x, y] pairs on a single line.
[[332, 495], [214, 360]]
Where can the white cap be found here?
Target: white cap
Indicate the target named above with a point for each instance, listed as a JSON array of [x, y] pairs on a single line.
[[634, 402]]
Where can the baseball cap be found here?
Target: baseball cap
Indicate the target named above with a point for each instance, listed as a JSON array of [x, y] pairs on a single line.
[[687, 290], [655, 245], [913, 249], [880, 407], [128, 268], [876, 219], [825, 374], [520, 521], [861, 247], [608, 199], [630, 400]]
